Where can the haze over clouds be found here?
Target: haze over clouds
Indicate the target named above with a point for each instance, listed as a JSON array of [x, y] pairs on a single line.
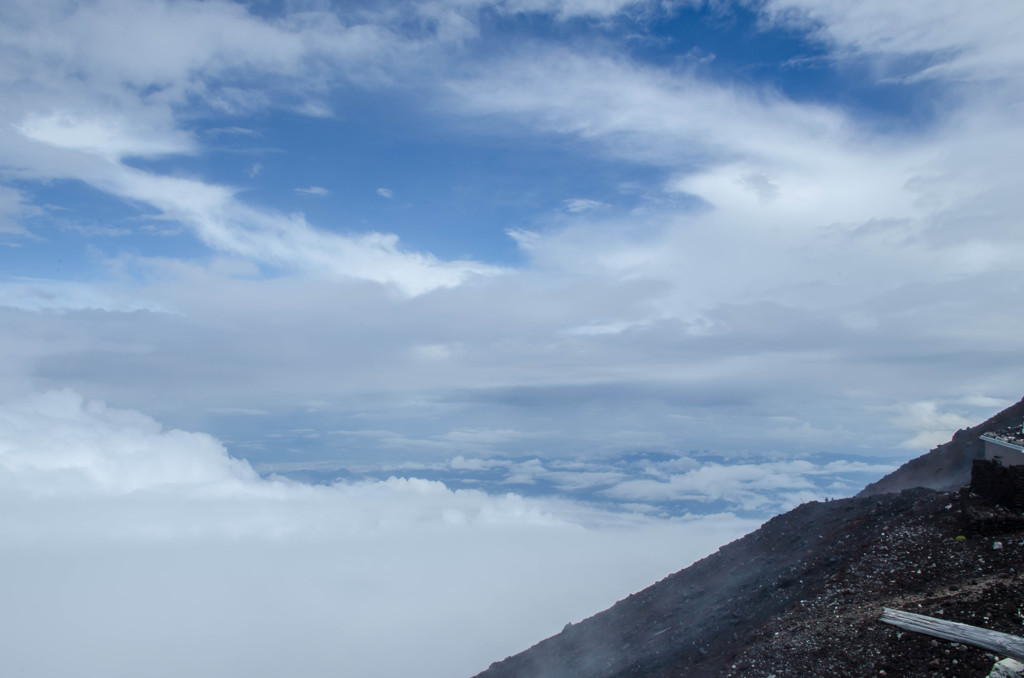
[[657, 269]]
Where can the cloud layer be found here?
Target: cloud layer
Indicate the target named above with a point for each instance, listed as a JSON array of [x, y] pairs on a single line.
[[133, 546]]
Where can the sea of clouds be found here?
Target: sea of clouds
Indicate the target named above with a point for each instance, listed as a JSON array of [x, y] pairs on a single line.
[[129, 548]]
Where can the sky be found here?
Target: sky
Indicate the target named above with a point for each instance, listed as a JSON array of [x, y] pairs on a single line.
[[381, 337]]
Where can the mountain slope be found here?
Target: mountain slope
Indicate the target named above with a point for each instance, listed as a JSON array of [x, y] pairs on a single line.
[[802, 595], [948, 466]]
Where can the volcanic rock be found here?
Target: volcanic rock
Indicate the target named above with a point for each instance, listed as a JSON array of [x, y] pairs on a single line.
[[802, 595]]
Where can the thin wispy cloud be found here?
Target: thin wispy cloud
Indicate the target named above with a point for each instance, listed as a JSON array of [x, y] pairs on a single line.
[[313, 190], [233, 131], [13, 209], [583, 205]]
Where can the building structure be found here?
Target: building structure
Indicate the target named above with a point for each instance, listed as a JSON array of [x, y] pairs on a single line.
[[1005, 447], [999, 477]]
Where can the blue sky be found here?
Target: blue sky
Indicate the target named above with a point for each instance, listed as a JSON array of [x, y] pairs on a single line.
[[479, 278]]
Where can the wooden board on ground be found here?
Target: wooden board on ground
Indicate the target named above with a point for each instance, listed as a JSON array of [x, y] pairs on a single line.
[[1002, 644]]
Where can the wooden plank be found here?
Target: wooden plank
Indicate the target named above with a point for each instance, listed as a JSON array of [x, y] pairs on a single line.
[[1002, 644]]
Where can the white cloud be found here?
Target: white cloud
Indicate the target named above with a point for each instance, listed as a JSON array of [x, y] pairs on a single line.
[[234, 132], [102, 82], [385, 193], [456, 19], [793, 261], [643, 113], [601, 328], [784, 182], [583, 205], [14, 208], [313, 190], [434, 352], [932, 425], [952, 40], [110, 137], [987, 402], [148, 550], [59, 443], [500, 355], [459, 462], [793, 208], [773, 486], [49, 295], [226, 224], [242, 411]]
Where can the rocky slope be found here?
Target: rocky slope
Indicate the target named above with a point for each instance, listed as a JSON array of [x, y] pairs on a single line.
[[801, 596], [948, 466]]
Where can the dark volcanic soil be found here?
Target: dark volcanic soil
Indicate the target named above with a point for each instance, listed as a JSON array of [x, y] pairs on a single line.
[[801, 596]]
